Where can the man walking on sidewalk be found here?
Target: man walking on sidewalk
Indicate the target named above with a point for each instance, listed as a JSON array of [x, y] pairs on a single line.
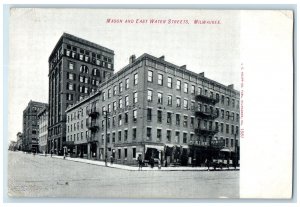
[[140, 162]]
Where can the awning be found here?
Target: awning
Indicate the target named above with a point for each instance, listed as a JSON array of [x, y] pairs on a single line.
[[184, 146], [158, 147], [225, 150]]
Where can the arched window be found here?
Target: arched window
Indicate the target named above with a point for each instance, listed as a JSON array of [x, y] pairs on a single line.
[[84, 69]]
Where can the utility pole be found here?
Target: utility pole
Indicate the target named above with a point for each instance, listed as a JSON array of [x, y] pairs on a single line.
[[105, 140]]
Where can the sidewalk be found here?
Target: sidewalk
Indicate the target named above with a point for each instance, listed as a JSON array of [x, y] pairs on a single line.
[[135, 168]]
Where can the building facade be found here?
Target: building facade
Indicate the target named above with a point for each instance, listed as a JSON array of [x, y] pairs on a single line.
[[76, 68], [30, 126], [19, 141], [157, 109], [43, 129]]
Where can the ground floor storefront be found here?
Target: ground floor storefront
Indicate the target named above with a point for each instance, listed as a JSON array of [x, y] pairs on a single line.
[[160, 154]]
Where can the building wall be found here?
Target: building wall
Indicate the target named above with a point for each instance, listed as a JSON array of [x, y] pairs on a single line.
[[76, 67], [141, 66], [30, 125], [43, 129]]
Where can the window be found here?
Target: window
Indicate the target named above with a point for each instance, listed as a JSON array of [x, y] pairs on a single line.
[[226, 144], [150, 96], [222, 127], [192, 121], [119, 153], [222, 113], [169, 100], [199, 91], [185, 121], [125, 153], [71, 66], [237, 118], [109, 93], [233, 103], [177, 137], [211, 94], [84, 69], [150, 76], [217, 96], [103, 110], [227, 115], [109, 108], [231, 142], [159, 116], [135, 79], [71, 76], [126, 101], [159, 98], [237, 129], [216, 126], [103, 96], [185, 88], [134, 115], [168, 135], [169, 82], [184, 140], [185, 104], [133, 152], [178, 102], [115, 90], [232, 116], [177, 119], [134, 134], [169, 118], [227, 128], [114, 105], [192, 89], [192, 138], [113, 137], [120, 87], [70, 86], [114, 121], [149, 114], [86, 90], [222, 99], [228, 101], [125, 135], [127, 83], [135, 97], [192, 105], [232, 129], [119, 136], [120, 103], [158, 135], [149, 133], [178, 85], [126, 118], [120, 119], [70, 97], [160, 80]]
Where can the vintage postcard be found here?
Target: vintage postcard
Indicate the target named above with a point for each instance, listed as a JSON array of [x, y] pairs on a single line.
[[151, 103]]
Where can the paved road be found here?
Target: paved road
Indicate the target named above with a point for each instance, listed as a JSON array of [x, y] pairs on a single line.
[[38, 176]]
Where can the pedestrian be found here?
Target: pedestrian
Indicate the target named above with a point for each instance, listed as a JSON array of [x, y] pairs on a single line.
[[140, 162], [152, 162], [51, 152], [207, 164], [111, 160]]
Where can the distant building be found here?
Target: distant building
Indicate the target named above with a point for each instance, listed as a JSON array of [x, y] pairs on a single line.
[[19, 141], [76, 68], [157, 109], [43, 129], [30, 126]]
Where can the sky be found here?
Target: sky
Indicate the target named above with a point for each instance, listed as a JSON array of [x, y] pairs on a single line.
[[33, 33]]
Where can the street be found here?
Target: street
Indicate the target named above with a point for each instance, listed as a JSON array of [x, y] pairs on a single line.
[[39, 176]]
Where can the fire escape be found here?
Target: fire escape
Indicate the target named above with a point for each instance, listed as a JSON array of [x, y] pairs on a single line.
[[92, 123]]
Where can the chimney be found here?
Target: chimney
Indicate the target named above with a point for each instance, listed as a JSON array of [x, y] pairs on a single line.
[[132, 59], [201, 74], [162, 57], [231, 86], [183, 67]]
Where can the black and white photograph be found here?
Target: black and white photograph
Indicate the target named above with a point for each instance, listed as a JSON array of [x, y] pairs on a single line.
[[129, 103]]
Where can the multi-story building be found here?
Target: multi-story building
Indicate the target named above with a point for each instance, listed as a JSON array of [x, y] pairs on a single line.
[[76, 68], [19, 141], [30, 126], [43, 129], [157, 109]]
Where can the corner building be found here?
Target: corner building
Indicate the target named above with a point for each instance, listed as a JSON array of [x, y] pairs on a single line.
[[76, 68], [156, 109], [31, 127]]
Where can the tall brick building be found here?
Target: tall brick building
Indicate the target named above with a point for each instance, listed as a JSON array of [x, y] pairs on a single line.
[[156, 109], [76, 68], [30, 126]]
